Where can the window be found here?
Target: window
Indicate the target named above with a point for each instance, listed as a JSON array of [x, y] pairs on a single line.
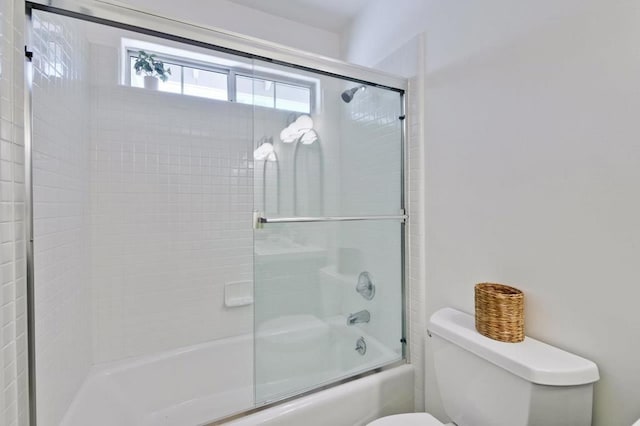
[[214, 81], [255, 91], [207, 84], [187, 80], [294, 98], [273, 94]]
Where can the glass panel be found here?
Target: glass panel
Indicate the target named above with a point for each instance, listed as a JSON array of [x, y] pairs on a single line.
[[305, 288], [55, 66], [293, 98], [205, 84], [350, 164], [343, 159], [146, 263], [370, 153], [143, 237], [255, 91]]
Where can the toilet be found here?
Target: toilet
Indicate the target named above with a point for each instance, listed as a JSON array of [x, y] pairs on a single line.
[[483, 382]]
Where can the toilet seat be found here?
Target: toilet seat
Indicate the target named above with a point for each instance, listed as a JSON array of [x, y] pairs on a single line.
[[411, 419]]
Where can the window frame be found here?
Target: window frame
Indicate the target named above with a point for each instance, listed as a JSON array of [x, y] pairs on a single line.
[[230, 72]]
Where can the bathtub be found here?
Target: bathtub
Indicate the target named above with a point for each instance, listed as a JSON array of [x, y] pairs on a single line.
[[354, 403], [188, 386], [198, 384]]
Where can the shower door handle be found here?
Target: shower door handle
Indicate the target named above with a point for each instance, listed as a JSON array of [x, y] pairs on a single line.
[[302, 219]]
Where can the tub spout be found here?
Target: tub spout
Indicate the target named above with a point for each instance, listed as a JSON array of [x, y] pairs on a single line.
[[359, 317]]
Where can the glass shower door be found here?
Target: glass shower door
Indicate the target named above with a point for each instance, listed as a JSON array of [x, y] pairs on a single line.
[[328, 242]]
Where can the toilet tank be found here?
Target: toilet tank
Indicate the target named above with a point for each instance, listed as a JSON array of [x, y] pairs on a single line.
[[483, 382]]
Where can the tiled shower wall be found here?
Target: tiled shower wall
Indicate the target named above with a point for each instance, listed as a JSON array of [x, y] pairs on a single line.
[[61, 212], [370, 154], [13, 323], [172, 201], [171, 209]]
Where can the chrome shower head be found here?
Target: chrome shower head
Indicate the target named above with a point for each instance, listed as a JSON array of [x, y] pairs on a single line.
[[348, 94]]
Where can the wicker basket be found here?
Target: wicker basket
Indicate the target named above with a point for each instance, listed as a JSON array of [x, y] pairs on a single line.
[[500, 312]]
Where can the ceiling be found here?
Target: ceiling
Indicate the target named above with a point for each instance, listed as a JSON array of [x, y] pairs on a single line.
[[330, 15]]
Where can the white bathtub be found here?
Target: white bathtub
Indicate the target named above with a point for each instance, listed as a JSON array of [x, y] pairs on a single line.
[[182, 387], [355, 403], [201, 383]]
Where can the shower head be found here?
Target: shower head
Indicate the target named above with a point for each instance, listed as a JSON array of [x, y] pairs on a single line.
[[348, 94]]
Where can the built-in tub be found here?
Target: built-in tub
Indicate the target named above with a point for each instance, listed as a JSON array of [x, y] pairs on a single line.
[[182, 387], [200, 383], [354, 403]]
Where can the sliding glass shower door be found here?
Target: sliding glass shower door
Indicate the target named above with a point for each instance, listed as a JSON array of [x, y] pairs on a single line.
[[205, 241], [142, 200], [328, 241]]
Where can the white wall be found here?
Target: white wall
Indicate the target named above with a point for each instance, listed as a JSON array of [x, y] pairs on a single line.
[[531, 164], [61, 212], [13, 323], [233, 17]]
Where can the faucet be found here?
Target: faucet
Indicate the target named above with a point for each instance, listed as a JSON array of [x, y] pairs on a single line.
[[359, 317]]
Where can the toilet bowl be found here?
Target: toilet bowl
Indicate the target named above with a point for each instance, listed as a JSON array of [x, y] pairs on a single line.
[[483, 382]]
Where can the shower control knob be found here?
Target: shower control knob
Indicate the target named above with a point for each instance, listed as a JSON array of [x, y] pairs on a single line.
[[365, 286], [361, 346]]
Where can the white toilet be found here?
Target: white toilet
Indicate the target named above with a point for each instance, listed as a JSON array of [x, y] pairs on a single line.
[[484, 382]]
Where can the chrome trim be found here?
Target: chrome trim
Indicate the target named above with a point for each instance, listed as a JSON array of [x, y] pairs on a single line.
[[303, 219], [28, 203], [404, 241], [126, 17], [287, 399]]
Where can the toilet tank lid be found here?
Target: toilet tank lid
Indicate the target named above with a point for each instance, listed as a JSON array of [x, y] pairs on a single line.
[[530, 359]]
